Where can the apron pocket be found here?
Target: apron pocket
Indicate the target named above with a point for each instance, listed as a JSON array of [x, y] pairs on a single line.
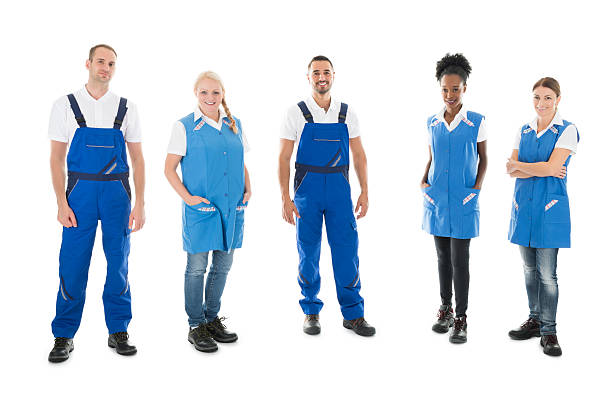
[[429, 198], [556, 209], [470, 200]]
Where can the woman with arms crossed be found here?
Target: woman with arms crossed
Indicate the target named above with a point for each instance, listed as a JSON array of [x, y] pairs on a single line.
[[215, 189], [540, 222], [451, 188]]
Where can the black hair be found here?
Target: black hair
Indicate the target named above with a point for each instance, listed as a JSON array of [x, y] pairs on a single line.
[[320, 58], [453, 64]]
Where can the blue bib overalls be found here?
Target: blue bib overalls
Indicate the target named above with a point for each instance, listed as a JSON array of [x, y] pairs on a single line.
[[322, 190], [540, 206], [98, 189]]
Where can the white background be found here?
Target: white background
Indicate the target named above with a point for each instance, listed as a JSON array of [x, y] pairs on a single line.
[[384, 54]]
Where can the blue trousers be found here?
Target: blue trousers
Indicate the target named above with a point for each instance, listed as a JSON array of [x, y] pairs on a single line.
[[109, 203], [198, 311], [328, 196], [540, 267]]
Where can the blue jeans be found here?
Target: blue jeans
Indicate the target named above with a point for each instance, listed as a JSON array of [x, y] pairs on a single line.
[[540, 266], [197, 310]]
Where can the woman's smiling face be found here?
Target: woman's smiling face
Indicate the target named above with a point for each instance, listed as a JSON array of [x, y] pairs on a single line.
[[545, 102], [209, 94], [452, 88]]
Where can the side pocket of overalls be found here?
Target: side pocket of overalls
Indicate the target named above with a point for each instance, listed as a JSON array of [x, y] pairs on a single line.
[[126, 249], [125, 182], [300, 175], [72, 182]]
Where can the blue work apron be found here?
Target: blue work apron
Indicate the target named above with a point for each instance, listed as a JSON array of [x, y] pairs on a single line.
[[322, 190], [213, 168], [540, 205], [451, 203], [98, 189]]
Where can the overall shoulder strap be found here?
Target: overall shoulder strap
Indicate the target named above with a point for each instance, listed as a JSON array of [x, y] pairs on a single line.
[[120, 113], [77, 111], [342, 114], [305, 112]]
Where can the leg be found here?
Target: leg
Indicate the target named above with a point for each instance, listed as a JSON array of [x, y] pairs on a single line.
[[194, 288], [215, 283], [114, 207], [343, 241], [460, 259], [445, 270], [308, 230], [548, 291], [74, 259], [532, 283]]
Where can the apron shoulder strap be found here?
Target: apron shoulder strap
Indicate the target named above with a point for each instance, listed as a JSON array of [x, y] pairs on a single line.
[[120, 113], [342, 114], [305, 112], [76, 110]]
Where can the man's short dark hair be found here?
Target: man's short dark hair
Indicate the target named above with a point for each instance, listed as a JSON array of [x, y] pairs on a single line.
[[320, 58], [93, 49]]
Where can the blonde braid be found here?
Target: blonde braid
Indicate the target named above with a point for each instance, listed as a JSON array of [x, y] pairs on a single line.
[[229, 115]]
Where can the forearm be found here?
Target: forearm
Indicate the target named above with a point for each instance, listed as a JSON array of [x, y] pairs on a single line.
[[482, 169], [520, 174], [176, 183], [361, 168], [139, 180], [58, 178], [426, 175], [283, 178], [538, 169], [247, 180]]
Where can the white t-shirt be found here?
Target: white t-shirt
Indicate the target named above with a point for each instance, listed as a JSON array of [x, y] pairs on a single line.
[[178, 138], [567, 140], [294, 122], [99, 113], [460, 116]]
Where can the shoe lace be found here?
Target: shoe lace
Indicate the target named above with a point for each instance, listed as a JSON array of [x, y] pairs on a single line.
[[121, 336], [312, 317], [459, 324], [202, 331], [360, 321], [529, 323], [61, 341], [218, 323], [551, 338]]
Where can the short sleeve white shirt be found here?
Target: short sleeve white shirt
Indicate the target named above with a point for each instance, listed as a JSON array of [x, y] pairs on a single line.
[[178, 137], [294, 122], [460, 116], [568, 139], [100, 113]]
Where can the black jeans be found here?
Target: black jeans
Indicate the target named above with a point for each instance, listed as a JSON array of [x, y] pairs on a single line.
[[454, 266]]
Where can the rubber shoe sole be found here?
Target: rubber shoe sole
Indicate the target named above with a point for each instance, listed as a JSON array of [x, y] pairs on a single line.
[[60, 359], [225, 340], [122, 353], [204, 349]]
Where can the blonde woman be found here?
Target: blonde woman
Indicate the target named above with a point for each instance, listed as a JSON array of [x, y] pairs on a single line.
[[215, 188]]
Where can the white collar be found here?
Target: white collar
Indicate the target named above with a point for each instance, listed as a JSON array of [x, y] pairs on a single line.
[[311, 101], [88, 96], [462, 114], [197, 114], [557, 120]]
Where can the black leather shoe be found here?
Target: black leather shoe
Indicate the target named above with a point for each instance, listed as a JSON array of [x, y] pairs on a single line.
[[201, 339], [311, 324], [218, 331], [551, 345], [459, 333], [61, 350], [446, 317], [530, 328], [119, 341], [359, 326]]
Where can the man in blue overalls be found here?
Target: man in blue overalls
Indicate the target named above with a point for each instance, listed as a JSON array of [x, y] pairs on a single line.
[[325, 130], [96, 125]]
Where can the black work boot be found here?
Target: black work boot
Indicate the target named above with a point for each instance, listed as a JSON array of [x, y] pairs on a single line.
[[530, 328], [359, 326], [446, 317], [218, 331], [201, 339], [459, 333], [119, 341], [311, 324], [551, 345], [61, 350]]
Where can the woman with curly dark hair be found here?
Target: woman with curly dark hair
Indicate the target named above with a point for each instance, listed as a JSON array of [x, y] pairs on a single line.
[[451, 189]]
